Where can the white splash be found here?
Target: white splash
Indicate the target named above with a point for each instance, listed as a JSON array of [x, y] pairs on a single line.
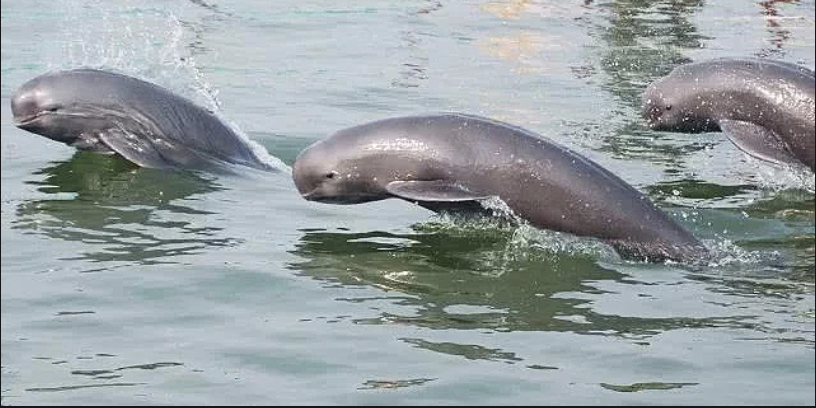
[[150, 43]]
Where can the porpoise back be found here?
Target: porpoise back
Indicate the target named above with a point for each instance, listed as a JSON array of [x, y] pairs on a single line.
[[110, 112]]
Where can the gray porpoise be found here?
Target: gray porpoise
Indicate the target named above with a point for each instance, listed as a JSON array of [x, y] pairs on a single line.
[[448, 161], [106, 112], [765, 107]]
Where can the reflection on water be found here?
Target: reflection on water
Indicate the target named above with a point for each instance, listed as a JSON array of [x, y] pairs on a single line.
[[793, 210], [101, 374], [779, 34], [108, 203], [478, 279], [524, 48], [698, 190], [414, 69], [773, 230], [507, 10], [481, 279], [645, 386], [644, 40]]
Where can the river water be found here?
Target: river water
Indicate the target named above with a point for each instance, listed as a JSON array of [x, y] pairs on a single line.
[[137, 286]]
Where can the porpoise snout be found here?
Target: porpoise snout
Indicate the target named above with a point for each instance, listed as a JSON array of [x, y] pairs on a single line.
[[299, 176], [652, 106], [26, 104], [310, 168], [37, 109], [652, 114], [22, 105]]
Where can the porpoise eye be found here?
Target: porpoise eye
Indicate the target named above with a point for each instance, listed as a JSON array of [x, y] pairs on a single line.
[[668, 107], [331, 175]]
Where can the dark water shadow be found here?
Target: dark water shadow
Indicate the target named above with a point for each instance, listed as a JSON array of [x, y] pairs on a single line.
[[485, 280], [477, 280], [772, 230], [123, 212]]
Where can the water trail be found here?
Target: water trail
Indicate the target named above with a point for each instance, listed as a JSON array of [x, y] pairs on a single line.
[[778, 178]]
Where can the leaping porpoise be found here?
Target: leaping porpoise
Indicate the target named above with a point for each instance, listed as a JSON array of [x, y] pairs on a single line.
[[453, 160], [765, 107], [107, 112]]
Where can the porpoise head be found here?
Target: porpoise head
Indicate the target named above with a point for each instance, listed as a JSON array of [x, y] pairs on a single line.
[[356, 164], [673, 103], [330, 173], [693, 97], [61, 107]]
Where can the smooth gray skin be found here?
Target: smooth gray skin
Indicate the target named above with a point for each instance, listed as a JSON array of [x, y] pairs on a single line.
[[452, 161], [148, 125], [765, 107]]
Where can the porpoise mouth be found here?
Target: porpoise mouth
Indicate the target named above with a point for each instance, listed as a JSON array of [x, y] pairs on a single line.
[[340, 199], [22, 122], [311, 196], [316, 196]]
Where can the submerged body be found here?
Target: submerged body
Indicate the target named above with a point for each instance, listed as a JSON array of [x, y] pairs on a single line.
[[451, 161], [106, 112], [765, 107]]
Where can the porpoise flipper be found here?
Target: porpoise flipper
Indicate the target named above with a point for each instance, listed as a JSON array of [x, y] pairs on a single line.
[[432, 190], [439, 196], [156, 153], [757, 141], [133, 148]]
